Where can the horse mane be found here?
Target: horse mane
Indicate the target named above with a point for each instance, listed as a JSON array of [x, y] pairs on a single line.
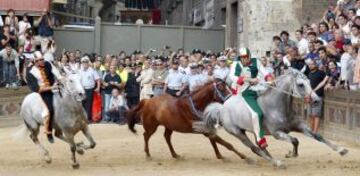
[[200, 88]]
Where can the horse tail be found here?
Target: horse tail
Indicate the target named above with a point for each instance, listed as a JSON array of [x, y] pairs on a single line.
[[133, 114], [21, 132], [213, 114]]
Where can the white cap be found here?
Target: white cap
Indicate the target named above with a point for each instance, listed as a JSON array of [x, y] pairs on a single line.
[[38, 55], [85, 59]]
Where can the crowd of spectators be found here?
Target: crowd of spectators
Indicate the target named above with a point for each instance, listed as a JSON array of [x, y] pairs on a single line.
[[332, 44], [19, 38], [327, 52]]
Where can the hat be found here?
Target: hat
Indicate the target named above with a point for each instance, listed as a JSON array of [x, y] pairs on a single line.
[[196, 51], [193, 65], [85, 59], [205, 60], [222, 58], [244, 52], [38, 55]]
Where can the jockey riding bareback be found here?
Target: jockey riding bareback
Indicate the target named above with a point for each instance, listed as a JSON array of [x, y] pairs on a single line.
[[246, 73]]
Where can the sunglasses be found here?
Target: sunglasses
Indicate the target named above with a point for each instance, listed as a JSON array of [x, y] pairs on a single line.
[[38, 60]]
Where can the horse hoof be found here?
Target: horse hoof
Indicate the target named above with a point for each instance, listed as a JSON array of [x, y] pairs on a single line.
[[47, 159], [80, 151], [343, 152], [75, 165], [149, 158], [250, 161], [291, 155], [279, 164]]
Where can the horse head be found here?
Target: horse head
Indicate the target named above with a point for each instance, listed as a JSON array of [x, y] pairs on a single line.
[[71, 84], [300, 87]]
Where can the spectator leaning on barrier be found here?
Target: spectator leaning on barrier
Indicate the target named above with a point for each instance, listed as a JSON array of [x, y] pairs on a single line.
[[45, 27], [318, 80], [90, 80], [117, 107]]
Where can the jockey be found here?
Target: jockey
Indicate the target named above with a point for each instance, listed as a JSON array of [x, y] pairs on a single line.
[[41, 79], [246, 73]]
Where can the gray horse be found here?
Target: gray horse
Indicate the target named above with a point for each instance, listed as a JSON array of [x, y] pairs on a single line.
[[69, 116], [279, 116]]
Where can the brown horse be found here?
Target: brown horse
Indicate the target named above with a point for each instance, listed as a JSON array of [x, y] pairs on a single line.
[[178, 114]]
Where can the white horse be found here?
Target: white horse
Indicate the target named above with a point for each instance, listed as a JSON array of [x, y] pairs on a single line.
[[69, 116], [279, 116]]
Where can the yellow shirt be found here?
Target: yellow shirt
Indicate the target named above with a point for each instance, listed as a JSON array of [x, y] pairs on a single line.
[[102, 67], [123, 75]]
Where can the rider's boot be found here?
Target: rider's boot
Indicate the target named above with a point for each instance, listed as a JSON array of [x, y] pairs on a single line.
[[48, 130]]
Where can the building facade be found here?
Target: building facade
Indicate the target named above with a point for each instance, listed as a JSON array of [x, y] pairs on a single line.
[[248, 23]]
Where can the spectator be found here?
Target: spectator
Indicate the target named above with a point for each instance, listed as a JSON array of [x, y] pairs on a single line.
[[73, 64], [175, 81], [345, 62], [29, 42], [10, 66], [312, 52], [285, 40], [91, 82], [222, 71], [296, 61], [49, 50], [12, 21], [318, 80], [334, 75], [355, 35], [132, 87], [145, 81], [323, 60], [158, 78], [277, 46], [303, 44], [45, 27], [344, 25], [196, 79], [117, 107], [24, 24], [8, 37], [268, 68], [111, 81], [184, 68], [324, 33]]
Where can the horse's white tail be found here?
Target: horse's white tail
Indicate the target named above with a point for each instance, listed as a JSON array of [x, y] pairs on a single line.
[[21, 133], [213, 114]]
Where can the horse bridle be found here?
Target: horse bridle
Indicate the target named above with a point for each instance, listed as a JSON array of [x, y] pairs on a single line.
[[217, 92]]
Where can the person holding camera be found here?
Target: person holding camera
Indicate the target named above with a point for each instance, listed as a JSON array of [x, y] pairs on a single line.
[[45, 28]]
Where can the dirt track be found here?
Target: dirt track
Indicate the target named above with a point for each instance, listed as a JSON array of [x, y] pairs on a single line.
[[121, 153]]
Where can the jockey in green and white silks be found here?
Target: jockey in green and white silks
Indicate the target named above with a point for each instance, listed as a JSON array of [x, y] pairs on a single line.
[[246, 73]]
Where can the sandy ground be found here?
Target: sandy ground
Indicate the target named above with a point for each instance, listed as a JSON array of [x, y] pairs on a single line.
[[120, 152]]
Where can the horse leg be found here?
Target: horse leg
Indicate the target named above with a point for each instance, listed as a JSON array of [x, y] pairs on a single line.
[[89, 137], [167, 135], [70, 138], [286, 137], [149, 130], [307, 131], [33, 135], [59, 134], [217, 152], [241, 135], [230, 147]]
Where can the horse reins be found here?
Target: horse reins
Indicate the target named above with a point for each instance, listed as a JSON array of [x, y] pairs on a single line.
[[217, 92]]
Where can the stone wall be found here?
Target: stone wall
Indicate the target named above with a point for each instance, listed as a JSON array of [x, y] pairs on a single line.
[[341, 118], [10, 104]]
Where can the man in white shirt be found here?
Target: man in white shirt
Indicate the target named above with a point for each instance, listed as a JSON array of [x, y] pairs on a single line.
[[195, 78], [222, 71], [175, 81], [184, 68], [345, 61], [303, 44], [90, 80]]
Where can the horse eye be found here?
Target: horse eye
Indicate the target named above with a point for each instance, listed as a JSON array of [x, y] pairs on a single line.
[[71, 81], [301, 85]]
